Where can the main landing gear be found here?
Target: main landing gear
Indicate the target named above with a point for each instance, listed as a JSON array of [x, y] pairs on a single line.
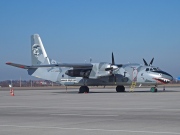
[[84, 89], [120, 88]]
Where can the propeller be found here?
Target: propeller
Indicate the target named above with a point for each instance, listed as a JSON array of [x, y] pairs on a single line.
[[113, 67], [150, 64]]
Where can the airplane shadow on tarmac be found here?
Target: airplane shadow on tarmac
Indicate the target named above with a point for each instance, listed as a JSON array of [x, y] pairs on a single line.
[[97, 92]]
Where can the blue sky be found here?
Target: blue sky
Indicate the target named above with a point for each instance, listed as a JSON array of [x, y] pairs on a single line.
[[75, 30]]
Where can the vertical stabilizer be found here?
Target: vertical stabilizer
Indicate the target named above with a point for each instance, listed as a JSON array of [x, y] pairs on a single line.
[[39, 57], [38, 53]]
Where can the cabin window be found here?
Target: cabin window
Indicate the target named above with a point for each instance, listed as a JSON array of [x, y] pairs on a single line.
[[147, 69]]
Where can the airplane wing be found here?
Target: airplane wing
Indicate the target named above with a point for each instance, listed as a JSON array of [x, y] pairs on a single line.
[[74, 65]]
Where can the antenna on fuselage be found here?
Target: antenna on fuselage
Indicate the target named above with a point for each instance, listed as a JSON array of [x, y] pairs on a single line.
[[90, 60]]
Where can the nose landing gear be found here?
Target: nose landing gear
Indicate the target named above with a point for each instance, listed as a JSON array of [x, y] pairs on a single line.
[[154, 89]]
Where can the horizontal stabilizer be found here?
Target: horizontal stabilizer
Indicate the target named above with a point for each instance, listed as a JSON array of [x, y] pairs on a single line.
[[76, 65], [18, 65]]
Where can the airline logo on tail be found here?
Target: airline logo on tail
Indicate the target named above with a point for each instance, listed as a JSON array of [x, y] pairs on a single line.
[[36, 50]]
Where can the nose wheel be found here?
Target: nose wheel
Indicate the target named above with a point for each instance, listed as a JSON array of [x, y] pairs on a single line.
[[154, 89], [120, 88], [84, 89]]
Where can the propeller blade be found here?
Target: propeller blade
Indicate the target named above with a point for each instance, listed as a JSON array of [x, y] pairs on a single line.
[[145, 63], [108, 69], [151, 62], [115, 78], [113, 63]]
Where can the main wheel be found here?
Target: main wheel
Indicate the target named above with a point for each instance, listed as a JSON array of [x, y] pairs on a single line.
[[83, 89], [86, 89], [153, 89], [120, 88]]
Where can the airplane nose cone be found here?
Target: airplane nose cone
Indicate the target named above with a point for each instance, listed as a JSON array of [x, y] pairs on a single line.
[[170, 78], [167, 76]]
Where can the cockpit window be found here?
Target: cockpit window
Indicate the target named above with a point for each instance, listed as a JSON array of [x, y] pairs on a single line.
[[153, 69]]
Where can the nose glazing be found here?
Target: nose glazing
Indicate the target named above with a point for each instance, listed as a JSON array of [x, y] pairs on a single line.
[[167, 76], [170, 78]]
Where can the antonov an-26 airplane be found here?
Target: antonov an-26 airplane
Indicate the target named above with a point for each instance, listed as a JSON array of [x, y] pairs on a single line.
[[92, 74]]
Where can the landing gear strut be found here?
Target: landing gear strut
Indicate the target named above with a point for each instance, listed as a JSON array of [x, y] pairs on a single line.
[[84, 89], [120, 88]]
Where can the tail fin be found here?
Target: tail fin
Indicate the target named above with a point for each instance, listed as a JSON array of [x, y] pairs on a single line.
[[39, 57], [38, 53]]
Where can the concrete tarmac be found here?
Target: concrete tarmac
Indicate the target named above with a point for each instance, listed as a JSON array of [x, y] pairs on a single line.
[[100, 112]]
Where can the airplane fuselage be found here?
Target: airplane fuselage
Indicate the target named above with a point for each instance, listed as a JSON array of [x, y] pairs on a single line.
[[125, 75]]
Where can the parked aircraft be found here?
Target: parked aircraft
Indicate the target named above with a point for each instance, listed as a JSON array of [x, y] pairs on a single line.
[[92, 74]]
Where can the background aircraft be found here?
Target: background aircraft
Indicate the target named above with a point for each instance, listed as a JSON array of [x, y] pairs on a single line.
[[92, 74]]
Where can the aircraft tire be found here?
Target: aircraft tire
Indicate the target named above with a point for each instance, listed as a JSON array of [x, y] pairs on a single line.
[[120, 88], [83, 89], [153, 89], [87, 89]]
